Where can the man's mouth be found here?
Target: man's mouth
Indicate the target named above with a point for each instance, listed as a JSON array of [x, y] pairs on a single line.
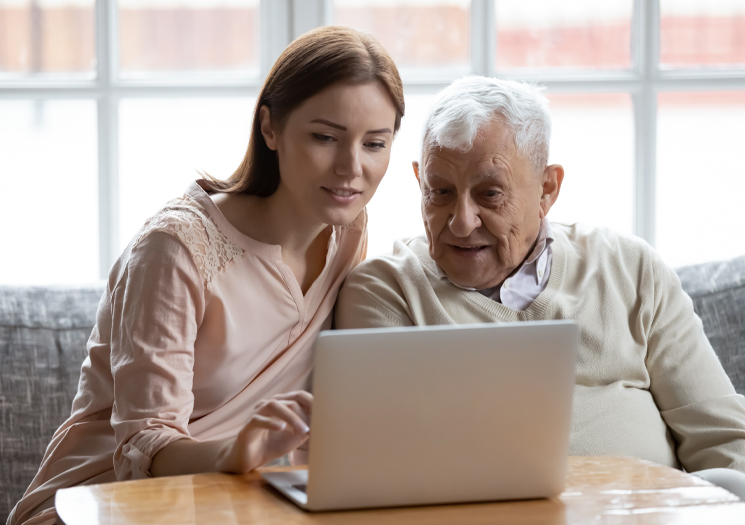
[[469, 249]]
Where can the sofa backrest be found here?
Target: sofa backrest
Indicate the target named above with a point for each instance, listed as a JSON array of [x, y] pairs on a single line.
[[718, 293], [43, 332]]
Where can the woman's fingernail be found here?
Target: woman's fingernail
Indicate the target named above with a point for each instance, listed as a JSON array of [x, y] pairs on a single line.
[[306, 429]]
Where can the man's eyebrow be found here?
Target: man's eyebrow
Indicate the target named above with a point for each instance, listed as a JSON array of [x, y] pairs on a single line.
[[495, 174], [343, 128]]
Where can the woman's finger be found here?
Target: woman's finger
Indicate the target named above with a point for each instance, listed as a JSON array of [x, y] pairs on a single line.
[[279, 410], [295, 407], [266, 422], [303, 398]]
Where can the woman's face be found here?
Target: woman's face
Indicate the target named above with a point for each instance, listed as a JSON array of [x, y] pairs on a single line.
[[333, 150]]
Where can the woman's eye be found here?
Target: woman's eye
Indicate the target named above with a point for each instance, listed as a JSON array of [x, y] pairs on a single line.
[[323, 138], [375, 145]]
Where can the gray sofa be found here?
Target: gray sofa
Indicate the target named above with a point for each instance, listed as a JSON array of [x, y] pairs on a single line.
[[43, 332]]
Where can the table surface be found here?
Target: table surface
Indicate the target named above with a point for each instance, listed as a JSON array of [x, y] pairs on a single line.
[[601, 489]]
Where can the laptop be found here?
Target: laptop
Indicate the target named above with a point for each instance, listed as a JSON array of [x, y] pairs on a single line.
[[437, 414]]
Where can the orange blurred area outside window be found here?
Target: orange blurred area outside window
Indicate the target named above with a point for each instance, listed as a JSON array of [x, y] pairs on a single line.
[[571, 34], [417, 33], [702, 34], [188, 36], [47, 37]]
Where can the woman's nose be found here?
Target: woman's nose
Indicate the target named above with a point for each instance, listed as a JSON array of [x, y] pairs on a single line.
[[465, 217], [348, 162]]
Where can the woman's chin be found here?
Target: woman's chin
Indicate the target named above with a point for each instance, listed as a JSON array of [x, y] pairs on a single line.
[[341, 217]]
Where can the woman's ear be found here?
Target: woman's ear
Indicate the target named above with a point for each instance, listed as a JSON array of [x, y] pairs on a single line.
[[267, 130]]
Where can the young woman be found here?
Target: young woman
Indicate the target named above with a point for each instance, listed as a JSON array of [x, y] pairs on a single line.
[[202, 345]]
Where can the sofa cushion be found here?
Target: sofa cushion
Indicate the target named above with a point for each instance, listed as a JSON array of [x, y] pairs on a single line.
[[718, 293], [43, 333]]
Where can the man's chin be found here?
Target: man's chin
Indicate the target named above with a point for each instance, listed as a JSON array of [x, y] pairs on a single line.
[[464, 277]]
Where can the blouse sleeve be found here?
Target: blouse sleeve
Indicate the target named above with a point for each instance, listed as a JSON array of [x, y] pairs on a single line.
[[157, 307], [695, 397]]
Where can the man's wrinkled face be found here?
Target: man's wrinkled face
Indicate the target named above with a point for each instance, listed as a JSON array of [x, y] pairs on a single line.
[[482, 209]]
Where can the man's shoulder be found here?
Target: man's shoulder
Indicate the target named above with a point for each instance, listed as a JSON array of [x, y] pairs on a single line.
[[585, 239], [387, 289], [408, 256]]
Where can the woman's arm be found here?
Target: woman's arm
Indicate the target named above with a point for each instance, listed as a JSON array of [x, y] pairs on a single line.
[[158, 307], [278, 427]]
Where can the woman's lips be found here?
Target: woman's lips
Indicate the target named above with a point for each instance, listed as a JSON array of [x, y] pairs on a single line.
[[342, 195]]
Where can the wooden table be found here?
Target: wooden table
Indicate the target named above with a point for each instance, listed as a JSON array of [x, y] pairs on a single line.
[[599, 490]]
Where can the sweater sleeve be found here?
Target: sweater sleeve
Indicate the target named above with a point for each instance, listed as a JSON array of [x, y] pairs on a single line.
[[691, 389], [158, 304], [368, 299]]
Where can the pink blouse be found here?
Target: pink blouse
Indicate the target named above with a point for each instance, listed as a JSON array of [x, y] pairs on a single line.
[[198, 323]]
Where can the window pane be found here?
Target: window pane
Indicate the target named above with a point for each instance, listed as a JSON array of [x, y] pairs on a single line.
[[163, 142], [49, 202], [702, 33], [188, 36], [577, 34], [395, 210], [593, 138], [47, 36], [416, 33], [700, 176]]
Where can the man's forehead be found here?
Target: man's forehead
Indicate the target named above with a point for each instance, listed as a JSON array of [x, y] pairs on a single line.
[[447, 160]]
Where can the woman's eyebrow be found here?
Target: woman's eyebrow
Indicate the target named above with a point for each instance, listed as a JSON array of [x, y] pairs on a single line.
[[381, 130], [328, 123], [344, 128]]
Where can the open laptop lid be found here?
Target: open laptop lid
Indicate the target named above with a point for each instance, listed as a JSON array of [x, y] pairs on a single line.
[[441, 414]]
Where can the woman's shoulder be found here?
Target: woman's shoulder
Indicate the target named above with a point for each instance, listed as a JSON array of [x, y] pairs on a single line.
[[188, 221]]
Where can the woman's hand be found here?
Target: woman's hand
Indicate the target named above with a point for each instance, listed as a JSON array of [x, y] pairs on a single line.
[[279, 426]]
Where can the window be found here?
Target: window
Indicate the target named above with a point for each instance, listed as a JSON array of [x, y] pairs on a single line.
[[111, 107]]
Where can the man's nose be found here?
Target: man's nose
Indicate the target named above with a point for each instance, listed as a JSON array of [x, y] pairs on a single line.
[[348, 162], [465, 217]]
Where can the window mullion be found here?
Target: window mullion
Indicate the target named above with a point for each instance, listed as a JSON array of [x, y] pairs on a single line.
[[483, 40], [108, 181], [276, 31], [647, 32], [309, 14]]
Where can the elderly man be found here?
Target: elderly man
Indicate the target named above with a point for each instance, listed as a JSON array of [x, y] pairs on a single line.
[[648, 382]]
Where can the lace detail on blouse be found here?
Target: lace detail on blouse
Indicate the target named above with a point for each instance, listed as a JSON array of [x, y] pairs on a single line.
[[187, 220]]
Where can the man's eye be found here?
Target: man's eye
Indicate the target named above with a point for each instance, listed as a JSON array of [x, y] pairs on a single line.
[[323, 138], [492, 194], [440, 192]]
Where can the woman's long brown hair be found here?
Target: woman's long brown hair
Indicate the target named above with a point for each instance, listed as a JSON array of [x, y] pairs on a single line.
[[314, 61]]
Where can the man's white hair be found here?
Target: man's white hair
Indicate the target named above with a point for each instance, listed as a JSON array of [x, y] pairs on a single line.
[[467, 104]]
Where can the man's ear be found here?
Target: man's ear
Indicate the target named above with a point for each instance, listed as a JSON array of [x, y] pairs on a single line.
[[415, 165], [269, 133], [553, 176]]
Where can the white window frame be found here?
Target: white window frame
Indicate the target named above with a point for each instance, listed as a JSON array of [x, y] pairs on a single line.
[[283, 20]]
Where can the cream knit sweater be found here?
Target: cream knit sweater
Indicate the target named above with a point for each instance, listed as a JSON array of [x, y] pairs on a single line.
[[648, 382]]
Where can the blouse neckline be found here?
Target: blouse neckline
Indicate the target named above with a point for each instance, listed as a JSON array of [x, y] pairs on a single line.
[[262, 249]]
